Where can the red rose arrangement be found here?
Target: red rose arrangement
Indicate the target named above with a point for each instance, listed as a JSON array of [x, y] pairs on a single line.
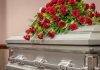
[[61, 16]]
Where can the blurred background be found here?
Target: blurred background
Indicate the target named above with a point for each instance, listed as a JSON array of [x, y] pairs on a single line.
[[15, 17]]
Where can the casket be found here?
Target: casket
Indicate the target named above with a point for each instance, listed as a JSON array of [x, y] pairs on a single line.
[[75, 50]]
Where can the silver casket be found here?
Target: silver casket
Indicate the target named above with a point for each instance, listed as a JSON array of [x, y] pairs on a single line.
[[76, 50]]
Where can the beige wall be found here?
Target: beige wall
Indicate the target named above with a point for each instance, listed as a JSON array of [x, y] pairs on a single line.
[[2, 21], [19, 14]]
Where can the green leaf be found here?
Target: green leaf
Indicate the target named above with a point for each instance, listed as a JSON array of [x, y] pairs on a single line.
[[36, 15], [96, 23]]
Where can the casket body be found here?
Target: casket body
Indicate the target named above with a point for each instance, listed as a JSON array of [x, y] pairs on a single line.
[[76, 50]]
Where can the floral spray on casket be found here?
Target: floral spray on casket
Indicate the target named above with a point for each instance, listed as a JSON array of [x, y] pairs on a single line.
[[61, 16]]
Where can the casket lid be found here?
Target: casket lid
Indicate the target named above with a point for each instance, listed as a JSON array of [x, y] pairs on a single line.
[[87, 35]]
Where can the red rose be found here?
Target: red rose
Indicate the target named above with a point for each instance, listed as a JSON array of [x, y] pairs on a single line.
[[49, 4], [46, 25], [27, 37], [96, 14], [43, 10], [47, 9], [28, 31], [61, 1], [86, 6], [71, 2], [61, 24], [40, 24], [55, 18], [92, 6], [40, 15], [40, 35], [63, 10], [81, 19], [54, 1], [51, 34], [52, 10], [78, 0], [63, 7], [46, 20], [75, 13], [33, 30], [88, 21], [90, 14], [73, 26]]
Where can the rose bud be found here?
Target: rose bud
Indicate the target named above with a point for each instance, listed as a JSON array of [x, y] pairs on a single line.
[[90, 14], [86, 6], [43, 10], [55, 18], [61, 1], [27, 37], [61, 24], [75, 13], [92, 6], [52, 10], [40, 24], [73, 26], [81, 19], [46, 25], [51, 34], [40, 35], [40, 15], [88, 21], [46, 20], [71, 2], [78, 0], [54, 1]]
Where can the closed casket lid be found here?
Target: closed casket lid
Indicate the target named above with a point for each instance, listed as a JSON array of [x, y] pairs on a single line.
[[87, 35]]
